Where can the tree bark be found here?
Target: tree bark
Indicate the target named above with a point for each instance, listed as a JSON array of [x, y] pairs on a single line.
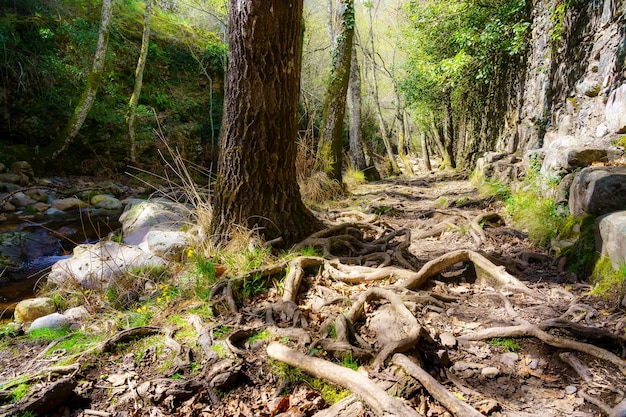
[[425, 152], [141, 64], [75, 123], [448, 136], [330, 148], [256, 183], [357, 156]]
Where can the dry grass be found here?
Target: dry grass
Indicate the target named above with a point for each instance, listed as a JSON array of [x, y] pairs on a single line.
[[318, 188]]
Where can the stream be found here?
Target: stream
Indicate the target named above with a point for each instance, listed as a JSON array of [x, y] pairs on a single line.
[[31, 244]]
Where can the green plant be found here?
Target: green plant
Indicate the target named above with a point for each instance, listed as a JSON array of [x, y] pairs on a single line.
[[221, 331], [48, 335], [9, 330], [510, 345], [262, 335], [349, 362], [354, 177], [220, 350], [329, 392], [253, 286], [78, 342], [19, 392], [608, 282]]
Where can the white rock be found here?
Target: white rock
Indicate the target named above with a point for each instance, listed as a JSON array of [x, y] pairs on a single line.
[[77, 314], [570, 389], [140, 217], [95, 266], [615, 111], [168, 244], [447, 340], [51, 321]]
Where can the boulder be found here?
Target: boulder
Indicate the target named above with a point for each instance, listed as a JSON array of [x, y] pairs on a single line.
[[168, 245], [598, 191], [569, 159], [10, 178], [95, 266], [71, 203], [24, 170], [33, 308], [20, 248], [21, 200], [615, 111], [77, 314], [142, 216], [106, 201], [51, 321], [610, 233]]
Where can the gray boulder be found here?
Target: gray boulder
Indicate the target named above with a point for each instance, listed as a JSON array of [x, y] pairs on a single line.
[[610, 231], [598, 191], [51, 321], [168, 245], [106, 201], [96, 266]]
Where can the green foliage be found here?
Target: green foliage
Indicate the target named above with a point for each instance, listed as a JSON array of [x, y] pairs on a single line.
[[77, 342], [19, 392], [510, 345], [8, 330], [262, 335], [253, 286], [609, 282], [582, 255], [48, 335], [349, 362]]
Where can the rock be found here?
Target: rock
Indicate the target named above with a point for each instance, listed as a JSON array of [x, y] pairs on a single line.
[[602, 130], [7, 206], [3, 167], [10, 178], [508, 359], [9, 187], [615, 111], [534, 364], [106, 201], [71, 203], [19, 248], [167, 244], [570, 389], [141, 216], [610, 234], [571, 158], [33, 308], [53, 212], [589, 88], [77, 314], [23, 169], [447, 340], [51, 321], [40, 207], [21, 200], [95, 266], [490, 372], [598, 190]]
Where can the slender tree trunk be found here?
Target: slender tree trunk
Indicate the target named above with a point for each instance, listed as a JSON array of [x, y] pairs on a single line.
[[256, 183], [330, 148], [72, 128], [404, 136], [448, 136], [357, 156], [379, 114], [425, 152], [141, 64]]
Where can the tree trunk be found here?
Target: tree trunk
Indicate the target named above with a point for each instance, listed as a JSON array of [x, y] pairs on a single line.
[[141, 64], [425, 152], [330, 148], [357, 156], [72, 128], [379, 114], [448, 136], [404, 136], [256, 183]]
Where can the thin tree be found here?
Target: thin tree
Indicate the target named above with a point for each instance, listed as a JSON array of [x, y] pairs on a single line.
[[357, 156], [256, 185], [330, 149], [141, 64], [375, 95], [83, 107]]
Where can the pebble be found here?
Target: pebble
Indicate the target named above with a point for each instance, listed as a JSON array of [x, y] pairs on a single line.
[[533, 364], [570, 389], [508, 358], [447, 340], [490, 372]]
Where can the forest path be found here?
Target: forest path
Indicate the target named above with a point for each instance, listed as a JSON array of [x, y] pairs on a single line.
[[419, 276]]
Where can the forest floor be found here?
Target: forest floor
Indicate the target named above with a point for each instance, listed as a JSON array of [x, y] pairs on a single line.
[[419, 277]]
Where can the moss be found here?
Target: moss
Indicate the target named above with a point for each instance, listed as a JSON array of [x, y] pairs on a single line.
[[608, 282]]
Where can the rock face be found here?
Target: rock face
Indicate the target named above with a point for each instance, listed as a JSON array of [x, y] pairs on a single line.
[[598, 191], [28, 310], [611, 237]]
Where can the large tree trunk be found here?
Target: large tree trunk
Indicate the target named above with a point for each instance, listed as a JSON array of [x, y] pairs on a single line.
[[141, 64], [357, 156], [425, 152], [330, 148], [83, 107], [256, 182]]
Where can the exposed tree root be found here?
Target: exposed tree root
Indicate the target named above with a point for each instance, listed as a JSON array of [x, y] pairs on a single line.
[[360, 385], [434, 388], [526, 329], [618, 411]]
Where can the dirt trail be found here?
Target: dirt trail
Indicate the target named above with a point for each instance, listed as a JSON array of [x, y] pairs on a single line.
[[418, 274]]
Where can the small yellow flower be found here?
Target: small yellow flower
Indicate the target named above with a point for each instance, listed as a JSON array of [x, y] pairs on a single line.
[[189, 253], [139, 310], [159, 299]]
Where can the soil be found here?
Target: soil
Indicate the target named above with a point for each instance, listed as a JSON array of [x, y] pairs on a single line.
[[211, 366]]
